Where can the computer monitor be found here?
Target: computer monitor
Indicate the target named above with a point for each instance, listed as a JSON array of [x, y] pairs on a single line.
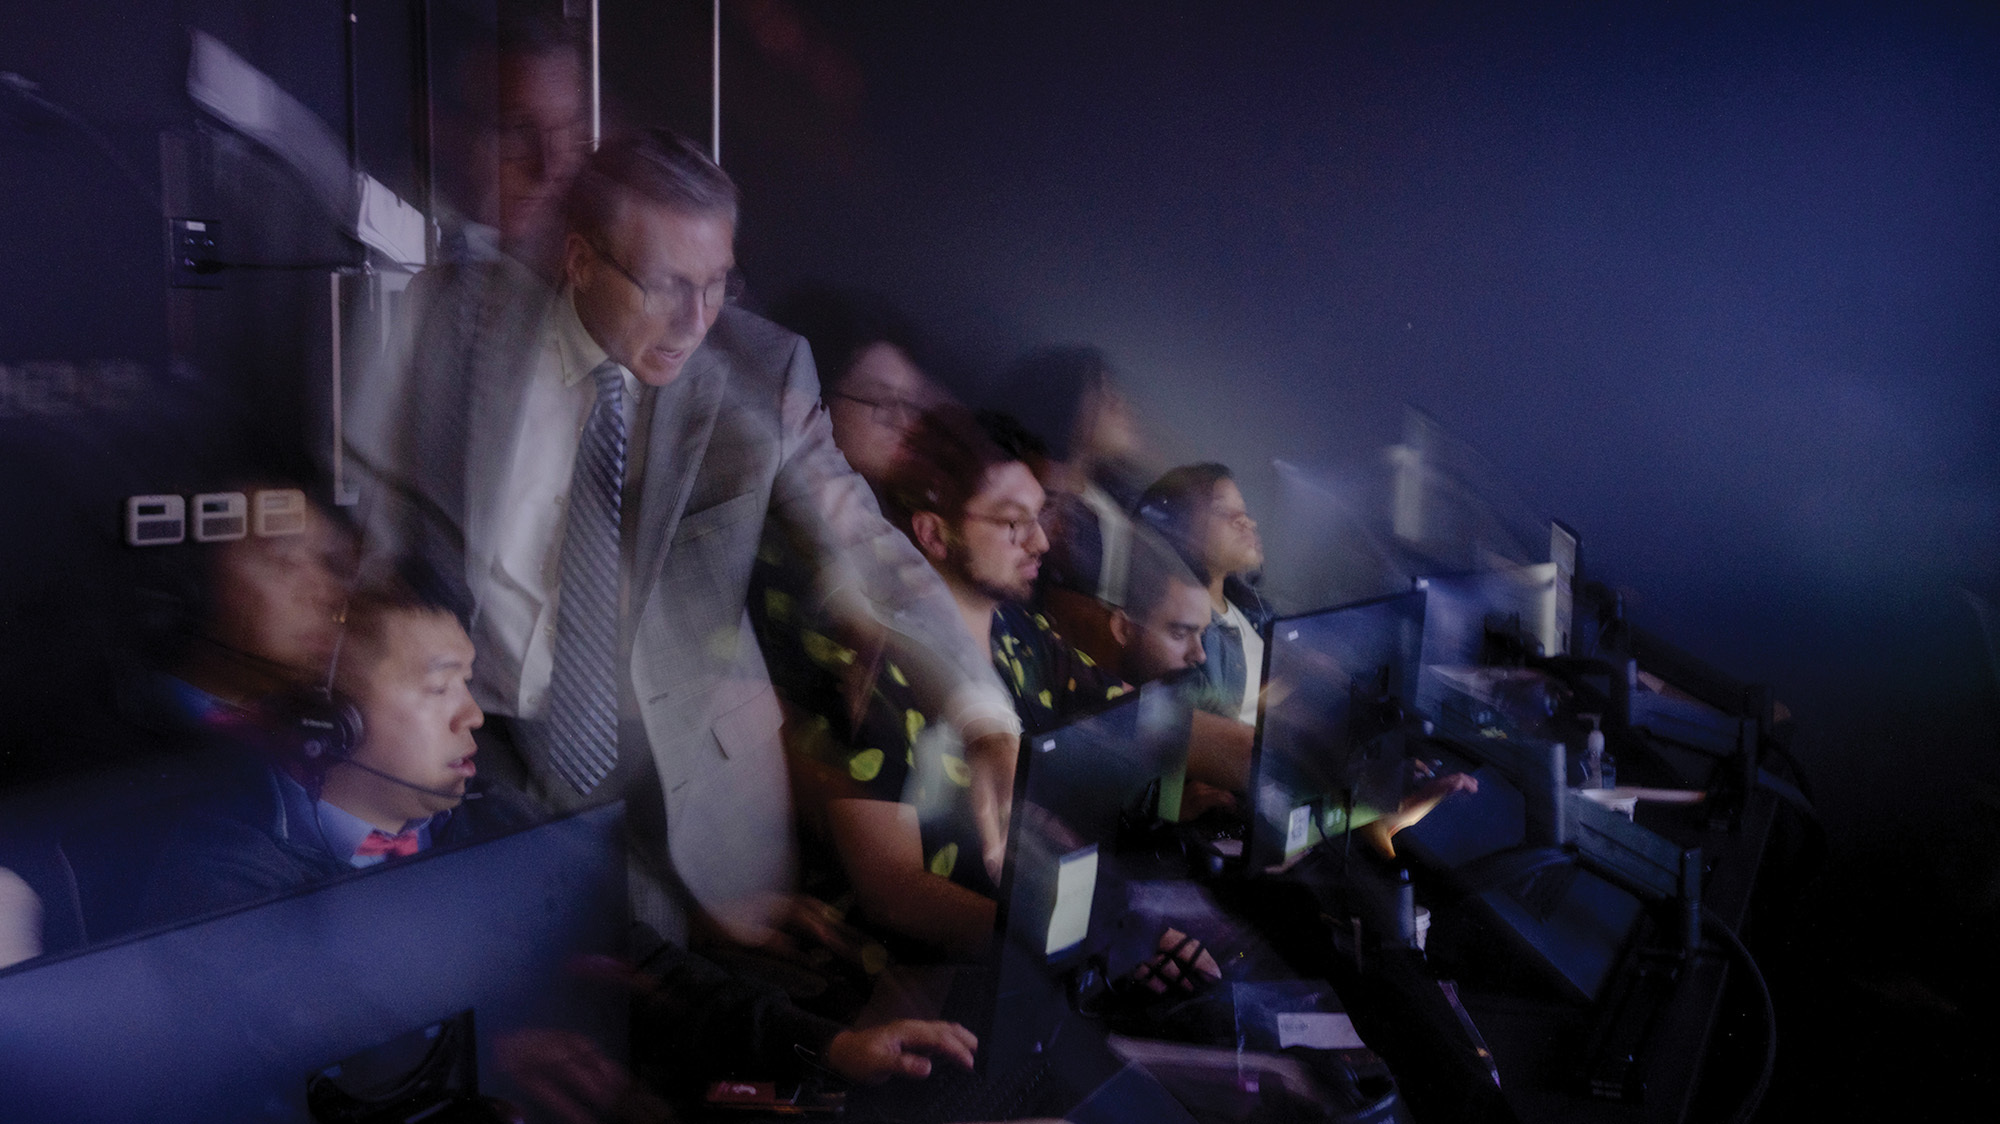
[[1482, 618], [1078, 789], [1329, 722], [1126, 763], [1567, 924], [231, 1016]]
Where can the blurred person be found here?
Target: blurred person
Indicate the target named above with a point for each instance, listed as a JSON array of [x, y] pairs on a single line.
[[267, 617], [1070, 399], [975, 512], [313, 810], [904, 834], [234, 624], [1157, 633], [1199, 510], [903, 827], [873, 392], [600, 464], [221, 629], [871, 383]]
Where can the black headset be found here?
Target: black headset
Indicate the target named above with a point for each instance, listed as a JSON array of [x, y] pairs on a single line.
[[318, 728]]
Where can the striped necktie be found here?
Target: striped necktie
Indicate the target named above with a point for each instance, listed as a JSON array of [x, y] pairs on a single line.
[[581, 726]]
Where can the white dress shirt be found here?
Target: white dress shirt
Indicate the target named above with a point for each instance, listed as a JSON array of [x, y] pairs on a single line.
[[520, 595]]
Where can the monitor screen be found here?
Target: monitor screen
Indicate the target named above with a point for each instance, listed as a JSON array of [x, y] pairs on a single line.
[[1076, 884], [231, 1016], [1329, 721]]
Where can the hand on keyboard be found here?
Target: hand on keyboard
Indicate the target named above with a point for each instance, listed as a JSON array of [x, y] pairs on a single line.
[[903, 1048]]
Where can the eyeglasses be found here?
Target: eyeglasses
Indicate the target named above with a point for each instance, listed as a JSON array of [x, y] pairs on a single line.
[[525, 138], [1020, 529], [724, 290], [892, 412]]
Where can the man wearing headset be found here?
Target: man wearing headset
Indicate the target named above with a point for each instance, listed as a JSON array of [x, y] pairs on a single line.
[[380, 769]]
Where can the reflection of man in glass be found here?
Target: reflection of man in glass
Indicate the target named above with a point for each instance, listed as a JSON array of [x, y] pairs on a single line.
[[518, 116], [263, 619]]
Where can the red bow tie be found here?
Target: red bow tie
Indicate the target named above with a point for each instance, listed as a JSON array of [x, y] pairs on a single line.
[[383, 843]]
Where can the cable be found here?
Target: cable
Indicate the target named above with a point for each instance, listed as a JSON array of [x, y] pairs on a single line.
[[440, 793], [1755, 1097]]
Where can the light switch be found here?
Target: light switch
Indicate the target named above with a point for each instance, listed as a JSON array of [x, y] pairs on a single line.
[[155, 520], [280, 511], [221, 516]]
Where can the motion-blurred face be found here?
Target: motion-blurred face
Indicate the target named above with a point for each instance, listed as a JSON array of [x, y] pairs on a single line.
[[1166, 638], [278, 600], [998, 543], [543, 135], [417, 716], [875, 406], [1230, 544], [650, 286], [1106, 426]]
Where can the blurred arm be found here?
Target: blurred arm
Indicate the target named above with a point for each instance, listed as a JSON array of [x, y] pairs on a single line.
[[881, 846]]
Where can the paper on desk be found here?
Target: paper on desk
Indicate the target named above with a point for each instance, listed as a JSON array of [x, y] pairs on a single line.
[[1317, 1030]]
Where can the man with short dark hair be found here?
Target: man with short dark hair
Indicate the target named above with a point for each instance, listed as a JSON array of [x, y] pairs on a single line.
[[601, 462], [1158, 631], [314, 805]]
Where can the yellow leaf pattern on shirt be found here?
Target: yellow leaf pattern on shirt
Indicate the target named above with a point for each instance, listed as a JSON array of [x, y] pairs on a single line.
[[865, 766], [823, 651], [958, 771], [945, 859]]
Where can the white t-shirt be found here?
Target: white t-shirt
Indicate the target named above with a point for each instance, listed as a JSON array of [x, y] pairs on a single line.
[[1253, 662]]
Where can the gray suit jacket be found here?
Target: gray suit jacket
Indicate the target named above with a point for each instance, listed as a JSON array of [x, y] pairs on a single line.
[[737, 439]]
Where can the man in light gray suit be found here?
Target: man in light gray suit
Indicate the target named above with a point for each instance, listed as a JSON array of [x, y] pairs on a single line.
[[602, 461]]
